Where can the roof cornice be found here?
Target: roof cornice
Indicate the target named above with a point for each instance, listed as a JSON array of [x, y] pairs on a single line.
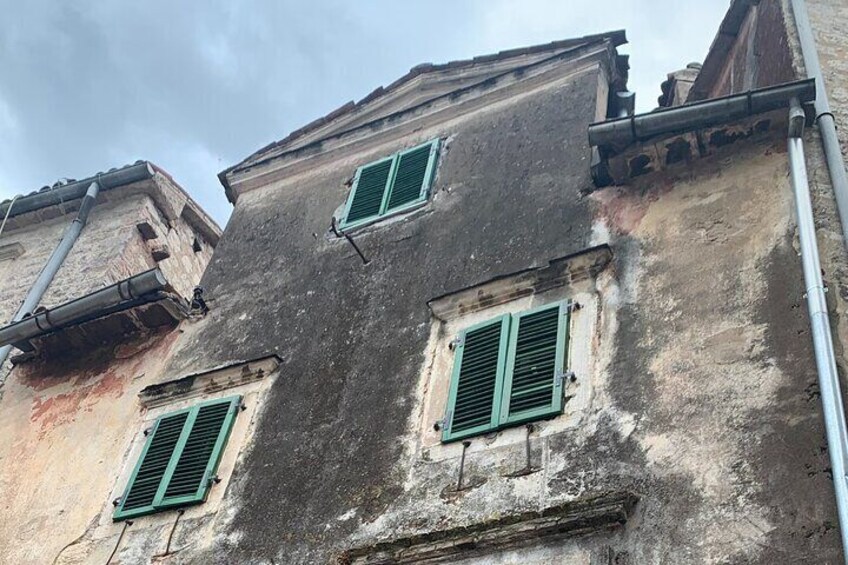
[[247, 176], [51, 202], [617, 37]]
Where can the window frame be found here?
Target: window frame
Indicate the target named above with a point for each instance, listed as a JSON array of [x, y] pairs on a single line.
[[385, 211], [506, 364], [160, 503]]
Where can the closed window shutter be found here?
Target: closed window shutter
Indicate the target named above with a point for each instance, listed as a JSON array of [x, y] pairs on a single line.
[[535, 366], [368, 191], [474, 401], [195, 466], [179, 459], [152, 464], [411, 180]]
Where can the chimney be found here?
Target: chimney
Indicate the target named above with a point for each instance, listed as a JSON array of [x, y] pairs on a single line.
[[676, 87]]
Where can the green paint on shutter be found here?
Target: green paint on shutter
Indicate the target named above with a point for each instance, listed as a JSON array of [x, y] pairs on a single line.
[[508, 371], [412, 176], [474, 401], [369, 188], [393, 184], [150, 469], [535, 366], [194, 468], [179, 458]]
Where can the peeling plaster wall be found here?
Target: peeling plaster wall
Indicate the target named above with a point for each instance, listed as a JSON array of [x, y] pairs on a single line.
[[829, 20], [65, 431], [74, 431], [716, 335]]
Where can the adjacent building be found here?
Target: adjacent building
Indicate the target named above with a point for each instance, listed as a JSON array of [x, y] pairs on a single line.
[[487, 314], [136, 246]]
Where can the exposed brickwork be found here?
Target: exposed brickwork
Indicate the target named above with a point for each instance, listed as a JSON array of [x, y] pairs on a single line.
[[109, 249]]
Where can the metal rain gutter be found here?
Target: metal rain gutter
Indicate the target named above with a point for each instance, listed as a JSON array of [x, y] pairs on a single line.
[[45, 277], [143, 287], [831, 396], [827, 125], [72, 191], [709, 113]]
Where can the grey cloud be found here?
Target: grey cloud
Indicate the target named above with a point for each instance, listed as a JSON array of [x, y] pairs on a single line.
[[196, 86]]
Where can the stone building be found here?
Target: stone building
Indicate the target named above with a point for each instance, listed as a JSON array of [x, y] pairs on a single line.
[[108, 315], [484, 315], [146, 221]]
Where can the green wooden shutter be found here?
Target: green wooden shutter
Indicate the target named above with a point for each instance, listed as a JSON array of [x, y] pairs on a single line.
[[391, 184], [179, 459], [367, 197], [535, 370], [475, 391], [412, 177], [148, 473], [191, 471]]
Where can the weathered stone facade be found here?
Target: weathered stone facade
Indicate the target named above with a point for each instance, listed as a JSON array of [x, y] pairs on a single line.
[[111, 247], [692, 429]]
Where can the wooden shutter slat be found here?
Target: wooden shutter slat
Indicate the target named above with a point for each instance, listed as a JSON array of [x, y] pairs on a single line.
[[479, 360], [152, 464], [515, 378], [178, 458], [368, 192], [537, 354], [392, 184], [188, 481], [410, 176]]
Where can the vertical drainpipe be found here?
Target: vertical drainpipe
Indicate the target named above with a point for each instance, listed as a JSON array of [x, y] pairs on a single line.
[[834, 411], [45, 277], [824, 117], [831, 396]]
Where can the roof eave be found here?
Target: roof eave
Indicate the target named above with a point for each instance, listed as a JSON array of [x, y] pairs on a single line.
[[149, 286], [620, 132], [613, 39], [616, 38], [723, 42], [139, 171]]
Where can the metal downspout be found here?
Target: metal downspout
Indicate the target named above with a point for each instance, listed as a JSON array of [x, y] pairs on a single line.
[[45, 277], [824, 117], [831, 396]]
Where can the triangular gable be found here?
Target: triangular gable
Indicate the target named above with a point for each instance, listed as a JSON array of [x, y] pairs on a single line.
[[422, 84]]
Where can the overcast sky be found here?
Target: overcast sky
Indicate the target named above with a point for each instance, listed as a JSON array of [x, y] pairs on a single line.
[[195, 86]]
